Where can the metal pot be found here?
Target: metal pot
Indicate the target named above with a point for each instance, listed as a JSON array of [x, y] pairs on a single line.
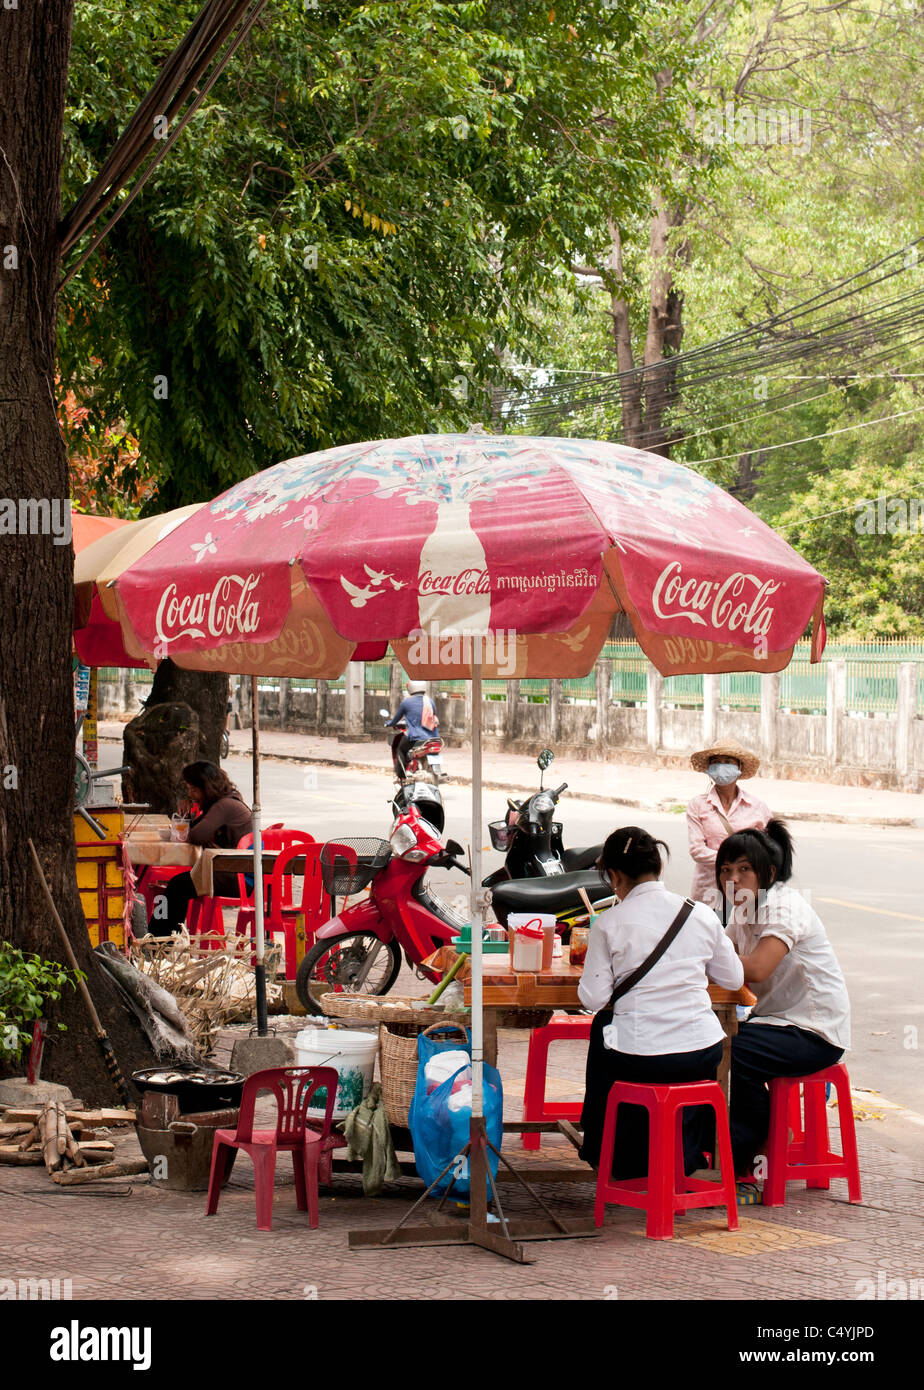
[[196, 1088], [181, 1155]]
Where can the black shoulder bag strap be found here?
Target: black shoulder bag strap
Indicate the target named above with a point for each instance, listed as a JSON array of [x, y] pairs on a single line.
[[650, 960]]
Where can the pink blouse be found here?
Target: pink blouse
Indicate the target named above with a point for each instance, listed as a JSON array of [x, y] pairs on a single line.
[[707, 832]]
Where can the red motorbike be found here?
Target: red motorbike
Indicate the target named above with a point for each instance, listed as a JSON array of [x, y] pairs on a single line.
[[360, 949]]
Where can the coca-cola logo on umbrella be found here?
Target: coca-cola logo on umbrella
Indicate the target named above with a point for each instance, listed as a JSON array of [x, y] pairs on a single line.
[[226, 610], [740, 601]]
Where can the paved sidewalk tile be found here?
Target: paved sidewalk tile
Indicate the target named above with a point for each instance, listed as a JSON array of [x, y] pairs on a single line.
[[156, 1244]]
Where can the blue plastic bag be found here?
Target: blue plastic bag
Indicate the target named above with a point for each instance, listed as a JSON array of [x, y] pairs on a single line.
[[439, 1132]]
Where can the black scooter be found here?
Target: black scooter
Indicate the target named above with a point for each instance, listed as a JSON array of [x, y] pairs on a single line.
[[539, 874]]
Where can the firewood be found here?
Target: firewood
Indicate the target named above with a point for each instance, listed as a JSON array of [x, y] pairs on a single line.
[[123, 1169], [96, 1153], [103, 1117], [31, 1114], [62, 1128], [14, 1156], [8, 1131], [73, 1152], [28, 1139], [48, 1125]]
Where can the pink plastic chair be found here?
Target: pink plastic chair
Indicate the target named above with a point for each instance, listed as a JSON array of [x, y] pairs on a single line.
[[293, 1089]]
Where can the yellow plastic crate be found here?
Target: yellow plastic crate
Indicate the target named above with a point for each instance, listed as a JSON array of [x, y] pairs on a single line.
[[100, 878]]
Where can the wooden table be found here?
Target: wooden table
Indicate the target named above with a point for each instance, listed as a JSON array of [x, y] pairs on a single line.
[[146, 851], [508, 991]]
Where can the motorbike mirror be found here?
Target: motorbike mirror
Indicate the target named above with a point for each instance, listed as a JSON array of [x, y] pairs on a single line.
[[384, 713], [454, 848], [544, 758]]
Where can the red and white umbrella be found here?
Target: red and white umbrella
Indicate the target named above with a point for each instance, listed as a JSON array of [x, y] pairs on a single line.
[[291, 570], [525, 546]]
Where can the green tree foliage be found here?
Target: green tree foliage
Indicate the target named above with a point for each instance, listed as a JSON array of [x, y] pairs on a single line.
[[354, 226], [27, 985], [861, 523], [808, 128]]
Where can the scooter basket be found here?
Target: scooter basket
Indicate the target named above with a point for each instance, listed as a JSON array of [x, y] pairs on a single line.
[[501, 835], [348, 866]]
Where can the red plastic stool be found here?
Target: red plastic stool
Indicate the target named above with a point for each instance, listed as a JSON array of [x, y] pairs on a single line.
[[666, 1189], [574, 1027], [809, 1158], [204, 917]]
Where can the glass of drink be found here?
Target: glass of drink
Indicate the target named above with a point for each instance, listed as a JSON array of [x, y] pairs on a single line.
[[578, 950]]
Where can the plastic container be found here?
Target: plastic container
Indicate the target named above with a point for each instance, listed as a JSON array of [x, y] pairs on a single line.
[[179, 829], [463, 942], [545, 920], [351, 1052], [527, 948]]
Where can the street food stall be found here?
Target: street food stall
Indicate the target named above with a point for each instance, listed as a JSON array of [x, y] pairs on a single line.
[[474, 556]]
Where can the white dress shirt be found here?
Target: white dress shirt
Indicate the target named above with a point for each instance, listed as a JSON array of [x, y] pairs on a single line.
[[707, 830], [669, 1010], [807, 989]]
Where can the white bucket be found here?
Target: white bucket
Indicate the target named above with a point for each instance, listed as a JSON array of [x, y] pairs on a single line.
[[351, 1052]]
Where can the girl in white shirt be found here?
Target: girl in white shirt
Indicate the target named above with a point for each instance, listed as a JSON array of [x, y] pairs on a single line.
[[663, 1030], [801, 1021]]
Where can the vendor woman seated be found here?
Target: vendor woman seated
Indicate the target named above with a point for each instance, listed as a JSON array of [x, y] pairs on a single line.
[[663, 1030], [801, 1021], [223, 821]]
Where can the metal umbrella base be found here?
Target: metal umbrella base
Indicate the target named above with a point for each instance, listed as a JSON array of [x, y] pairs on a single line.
[[501, 1236]]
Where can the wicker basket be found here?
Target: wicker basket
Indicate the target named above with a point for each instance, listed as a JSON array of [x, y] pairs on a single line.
[[398, 1063], [372, 1008]]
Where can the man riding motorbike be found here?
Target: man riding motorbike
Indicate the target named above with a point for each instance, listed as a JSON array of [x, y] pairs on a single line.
[[420, 720]]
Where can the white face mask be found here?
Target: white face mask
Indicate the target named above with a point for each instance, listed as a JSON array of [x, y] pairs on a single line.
[[723, 774]]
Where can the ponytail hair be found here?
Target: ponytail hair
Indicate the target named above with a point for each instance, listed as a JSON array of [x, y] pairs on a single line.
[[633, 852], [769, 853]]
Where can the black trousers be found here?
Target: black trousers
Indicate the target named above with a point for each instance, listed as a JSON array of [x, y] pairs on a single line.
[[401, 754], [630, 1149], [759, 1052], [172, 902]]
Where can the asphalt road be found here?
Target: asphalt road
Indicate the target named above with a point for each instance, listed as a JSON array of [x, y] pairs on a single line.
[[865, 884]]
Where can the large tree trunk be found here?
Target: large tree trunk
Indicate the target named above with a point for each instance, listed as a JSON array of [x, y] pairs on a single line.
[[182, 722], [630, 386], [665, 326], [36, 693], [204, 691]]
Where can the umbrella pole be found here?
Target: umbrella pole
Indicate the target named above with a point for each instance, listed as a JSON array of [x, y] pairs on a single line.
[[260, 970], [478, 905]]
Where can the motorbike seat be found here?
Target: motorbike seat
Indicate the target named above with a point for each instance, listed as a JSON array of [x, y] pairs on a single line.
[[574, 859], [559, 894]]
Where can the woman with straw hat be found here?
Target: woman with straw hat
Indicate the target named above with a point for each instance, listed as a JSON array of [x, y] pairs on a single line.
[[721, 811]]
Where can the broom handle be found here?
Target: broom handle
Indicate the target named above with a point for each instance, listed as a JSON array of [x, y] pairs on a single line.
[[109, 1057]]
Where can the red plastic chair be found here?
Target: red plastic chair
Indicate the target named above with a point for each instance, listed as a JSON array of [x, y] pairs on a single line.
[[293, 1089], [246, 894], [666, 1189], [205, 916], [281, 907], [807, 1156], [573, 1027]]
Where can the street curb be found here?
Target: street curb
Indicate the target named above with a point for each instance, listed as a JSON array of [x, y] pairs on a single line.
[[661, 807]]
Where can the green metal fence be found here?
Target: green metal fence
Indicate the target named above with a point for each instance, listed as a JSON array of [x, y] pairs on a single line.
[[872, 680]]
